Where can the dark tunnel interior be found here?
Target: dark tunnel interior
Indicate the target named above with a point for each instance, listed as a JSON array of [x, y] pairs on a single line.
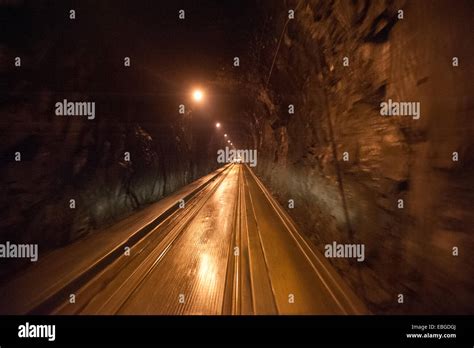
[[305, 93]]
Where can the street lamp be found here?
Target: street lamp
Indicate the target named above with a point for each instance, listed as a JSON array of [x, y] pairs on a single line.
[[198, 95]]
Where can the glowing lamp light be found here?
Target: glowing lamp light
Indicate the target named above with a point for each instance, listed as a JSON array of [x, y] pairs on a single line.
[[198, 95]]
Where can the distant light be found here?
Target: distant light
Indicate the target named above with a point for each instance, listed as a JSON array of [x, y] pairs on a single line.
[[218, 125], [228, 141], [225, 135], [198, 95]]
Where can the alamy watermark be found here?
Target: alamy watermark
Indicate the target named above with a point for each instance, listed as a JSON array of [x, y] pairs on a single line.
[[240, 156], [28, 330], [67, 108], [336, 250], [394, 108], [11, 250]]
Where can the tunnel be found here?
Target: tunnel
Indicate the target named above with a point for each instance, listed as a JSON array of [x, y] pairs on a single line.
[[345, 136]]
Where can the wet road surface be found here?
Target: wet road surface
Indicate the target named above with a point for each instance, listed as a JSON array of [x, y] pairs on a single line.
[[231, 249]]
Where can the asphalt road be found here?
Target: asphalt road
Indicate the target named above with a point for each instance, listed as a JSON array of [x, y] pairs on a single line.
[[230, 250]]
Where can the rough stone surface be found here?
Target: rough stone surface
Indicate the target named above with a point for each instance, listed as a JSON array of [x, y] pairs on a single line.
[[65, 157], [409, 250]]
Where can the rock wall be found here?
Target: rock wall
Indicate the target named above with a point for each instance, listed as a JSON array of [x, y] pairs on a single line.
[[71, 157], [409, 251]]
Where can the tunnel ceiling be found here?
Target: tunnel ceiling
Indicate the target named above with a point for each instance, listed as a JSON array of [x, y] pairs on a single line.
[[168, 57]]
